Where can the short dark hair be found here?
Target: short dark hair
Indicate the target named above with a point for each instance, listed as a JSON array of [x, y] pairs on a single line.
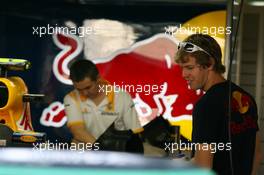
[[207, 43], [82, 68]]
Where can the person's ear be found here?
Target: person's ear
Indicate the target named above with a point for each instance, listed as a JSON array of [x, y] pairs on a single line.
[[98, 77], [211, 64]]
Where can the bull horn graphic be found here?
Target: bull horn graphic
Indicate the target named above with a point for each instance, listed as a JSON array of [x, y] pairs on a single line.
[[238, 97]]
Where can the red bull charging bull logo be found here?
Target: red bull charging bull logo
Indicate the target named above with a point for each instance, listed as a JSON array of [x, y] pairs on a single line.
[[146, 70]]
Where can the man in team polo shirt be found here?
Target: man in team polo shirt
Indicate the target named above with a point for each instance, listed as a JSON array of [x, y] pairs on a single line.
[[90, 111]]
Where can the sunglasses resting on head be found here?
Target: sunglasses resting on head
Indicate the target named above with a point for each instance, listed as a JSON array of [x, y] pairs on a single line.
[[190, 47]]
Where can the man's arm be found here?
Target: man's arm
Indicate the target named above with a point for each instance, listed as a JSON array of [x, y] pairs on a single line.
[[75, 119], [258, 155], [131, 118], [203, 158], [81, 134]]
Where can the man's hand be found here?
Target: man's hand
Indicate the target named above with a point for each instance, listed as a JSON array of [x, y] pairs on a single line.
[[204, 158], [81, 134]]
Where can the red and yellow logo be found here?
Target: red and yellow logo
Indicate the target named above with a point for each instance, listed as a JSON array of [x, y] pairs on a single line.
[[28, 138]]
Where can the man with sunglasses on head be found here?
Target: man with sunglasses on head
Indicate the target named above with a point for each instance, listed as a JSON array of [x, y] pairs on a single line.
[[225, 132]]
